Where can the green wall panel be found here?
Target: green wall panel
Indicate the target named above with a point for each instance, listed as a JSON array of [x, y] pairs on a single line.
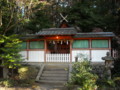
[[80, 44], [37, 45], [23, 45], [99, 43]]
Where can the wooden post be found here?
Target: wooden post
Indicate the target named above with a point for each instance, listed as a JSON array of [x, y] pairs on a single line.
[[71, 51], [110, 47], [28, 46], [45, 51], [90, 48]]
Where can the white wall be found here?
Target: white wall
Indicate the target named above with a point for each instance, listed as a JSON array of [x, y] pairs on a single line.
[[76, 52], [98, 54], [36, 56], [24, 55], [33, 56]]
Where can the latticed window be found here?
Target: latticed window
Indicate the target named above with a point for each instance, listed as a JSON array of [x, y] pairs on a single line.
[[37, 45], [81, 44], [100, 44]]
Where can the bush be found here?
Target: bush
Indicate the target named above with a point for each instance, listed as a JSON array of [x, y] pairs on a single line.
[[82, 76], [8, 82], [25, 78], [27, 75], [27, 72], [26, 83]]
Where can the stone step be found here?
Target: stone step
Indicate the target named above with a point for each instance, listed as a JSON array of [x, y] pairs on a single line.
[[55, 82], [55, 69], [56, 66], [54, 78], [53, 86], [55, 72], [52, 75]]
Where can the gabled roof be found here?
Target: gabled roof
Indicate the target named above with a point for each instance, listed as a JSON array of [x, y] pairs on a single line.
[[68, 32], [57, 31], [94, 34]]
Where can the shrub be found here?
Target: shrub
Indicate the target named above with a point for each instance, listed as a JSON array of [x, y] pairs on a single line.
[[8, 82], [27, 72], [26, 83], [25, 78], [82, 76], [27, 75]]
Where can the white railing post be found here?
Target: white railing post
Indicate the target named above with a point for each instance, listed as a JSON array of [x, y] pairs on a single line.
[[57, 57]]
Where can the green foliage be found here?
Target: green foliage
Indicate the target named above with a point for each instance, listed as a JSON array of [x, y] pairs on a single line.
[[16, 82], [95, 13], [116, 69], [27, 72], [117, 81], [116, 72], [26, 83], [82, 76], [38, 20], [105, 83], [7, 82], [9, 16], [9, 51], [25, 78]]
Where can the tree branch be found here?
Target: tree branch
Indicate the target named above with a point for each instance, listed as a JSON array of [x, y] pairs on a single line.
[[12, 26], [9, 20]]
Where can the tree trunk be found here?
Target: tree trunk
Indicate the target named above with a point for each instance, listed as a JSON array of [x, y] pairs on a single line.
[[5, 72], [0, 17]]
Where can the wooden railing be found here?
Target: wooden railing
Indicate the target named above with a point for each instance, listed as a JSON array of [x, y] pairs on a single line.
[[57, 57]]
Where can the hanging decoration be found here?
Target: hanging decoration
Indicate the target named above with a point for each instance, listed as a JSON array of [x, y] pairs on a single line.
[[61, 42], [53, 42], [67, 42]]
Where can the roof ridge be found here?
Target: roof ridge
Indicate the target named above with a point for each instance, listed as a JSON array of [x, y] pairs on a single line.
[[96, 33], [58, 28]]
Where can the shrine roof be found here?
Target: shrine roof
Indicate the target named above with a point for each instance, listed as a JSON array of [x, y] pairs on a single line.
[[94, 34], [57, 31], [68, 32]]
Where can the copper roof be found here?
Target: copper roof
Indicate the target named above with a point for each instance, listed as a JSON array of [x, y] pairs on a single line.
[[57, 31]]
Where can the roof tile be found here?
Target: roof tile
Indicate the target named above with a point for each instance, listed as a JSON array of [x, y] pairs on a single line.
[[57, 31]]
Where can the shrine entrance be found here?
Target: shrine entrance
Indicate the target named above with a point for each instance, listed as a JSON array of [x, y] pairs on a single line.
[[58, 47], [58, 51]]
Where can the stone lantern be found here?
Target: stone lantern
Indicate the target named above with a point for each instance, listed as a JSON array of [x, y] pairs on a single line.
[[109, 61]]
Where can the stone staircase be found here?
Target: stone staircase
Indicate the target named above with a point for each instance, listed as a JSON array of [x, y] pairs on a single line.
[[53, 73]]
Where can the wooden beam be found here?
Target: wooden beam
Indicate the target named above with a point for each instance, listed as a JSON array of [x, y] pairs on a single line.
[[92, 38], [58, 37]]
